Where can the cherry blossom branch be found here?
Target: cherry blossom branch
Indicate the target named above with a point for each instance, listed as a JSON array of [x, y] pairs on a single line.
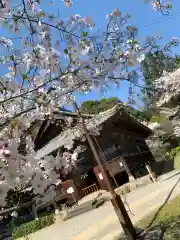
[[2, 5], [37, 88], [28, 18], [129, 80], [25, 93], [164, 8], [48, 24], [2, 125]]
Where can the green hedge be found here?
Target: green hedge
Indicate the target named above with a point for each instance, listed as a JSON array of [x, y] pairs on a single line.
[[33, 226]]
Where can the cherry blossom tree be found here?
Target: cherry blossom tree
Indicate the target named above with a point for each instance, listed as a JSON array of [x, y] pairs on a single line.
[[42, 73], [46, 60], [167, 96], [165, 123]]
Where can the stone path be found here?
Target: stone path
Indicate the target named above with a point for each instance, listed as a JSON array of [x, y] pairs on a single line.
[[102, 223]]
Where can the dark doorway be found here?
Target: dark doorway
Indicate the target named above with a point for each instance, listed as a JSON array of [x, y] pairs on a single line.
[[121, 178], [90, 178]]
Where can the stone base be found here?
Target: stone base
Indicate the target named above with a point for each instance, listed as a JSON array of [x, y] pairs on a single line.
[[57, 211]]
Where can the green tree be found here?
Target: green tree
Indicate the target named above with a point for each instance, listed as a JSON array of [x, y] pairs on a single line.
[[94, 107]]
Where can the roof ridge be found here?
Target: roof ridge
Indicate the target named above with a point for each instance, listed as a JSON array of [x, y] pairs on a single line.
[[117, 106]]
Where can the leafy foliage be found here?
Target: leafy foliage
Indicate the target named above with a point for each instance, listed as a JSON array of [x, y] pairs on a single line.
[[94, 107], [33, 226], [157, 118], [174, 152], [140, 115]]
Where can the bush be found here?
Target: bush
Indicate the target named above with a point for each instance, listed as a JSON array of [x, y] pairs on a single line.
[[33, 226], [174, 152]]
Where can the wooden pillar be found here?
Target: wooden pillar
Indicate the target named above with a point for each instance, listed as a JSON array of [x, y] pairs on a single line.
[[151, 174], [130, 176], [115, 180]]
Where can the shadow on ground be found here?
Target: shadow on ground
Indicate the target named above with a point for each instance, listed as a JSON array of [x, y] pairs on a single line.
[[169, 230]]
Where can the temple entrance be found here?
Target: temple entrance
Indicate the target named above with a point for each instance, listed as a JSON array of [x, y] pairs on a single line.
[[121, 178], [90, 178]]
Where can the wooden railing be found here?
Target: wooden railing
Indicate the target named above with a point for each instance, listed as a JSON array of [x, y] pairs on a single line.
[[90, 189]]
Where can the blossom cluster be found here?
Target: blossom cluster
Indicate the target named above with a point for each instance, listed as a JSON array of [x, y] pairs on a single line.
[[19, 172], [167, 88], [161, 5], [5, 8]]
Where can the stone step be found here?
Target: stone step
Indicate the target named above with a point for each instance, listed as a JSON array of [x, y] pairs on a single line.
[[85, 207]]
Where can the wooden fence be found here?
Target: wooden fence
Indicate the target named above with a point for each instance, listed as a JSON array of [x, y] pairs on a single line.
[[88, 190]]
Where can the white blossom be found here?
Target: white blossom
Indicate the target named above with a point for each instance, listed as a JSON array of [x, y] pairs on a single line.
[[5, 41], [5, 8]]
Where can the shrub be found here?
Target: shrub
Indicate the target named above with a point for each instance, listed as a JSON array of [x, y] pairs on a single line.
[[174, 152], [33, 226]]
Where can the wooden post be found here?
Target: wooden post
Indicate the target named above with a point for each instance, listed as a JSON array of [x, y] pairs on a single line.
[[73, 197], [151, 174], [130, 176], [115, 180], [116, 200]]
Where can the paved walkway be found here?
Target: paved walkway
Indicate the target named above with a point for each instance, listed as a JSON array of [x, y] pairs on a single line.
[[102, 223]]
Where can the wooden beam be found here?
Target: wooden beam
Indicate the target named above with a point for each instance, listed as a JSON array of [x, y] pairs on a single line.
[[151, 174], [130, 176]]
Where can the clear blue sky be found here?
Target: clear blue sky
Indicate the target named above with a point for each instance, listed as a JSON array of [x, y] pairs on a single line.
[[142, 16]]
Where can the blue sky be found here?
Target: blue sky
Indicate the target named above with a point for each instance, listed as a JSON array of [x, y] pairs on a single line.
[[148, 22]]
